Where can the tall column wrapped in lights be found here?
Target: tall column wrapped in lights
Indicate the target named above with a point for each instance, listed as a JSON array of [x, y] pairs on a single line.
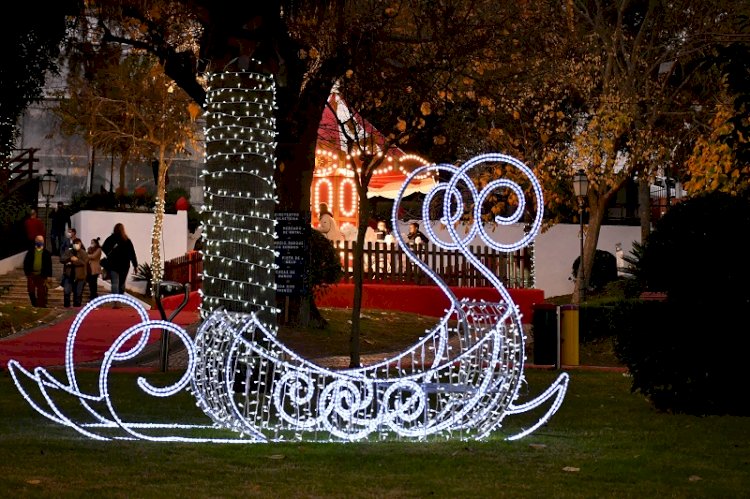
[[239, 196]]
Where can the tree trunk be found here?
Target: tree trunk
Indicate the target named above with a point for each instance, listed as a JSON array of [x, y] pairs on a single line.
[[644, 202], [299, 114], [239, 196], [121, 182], [358, 271], [157, 267], [302, 311], [597, 207], [593, 229], [92, 168]]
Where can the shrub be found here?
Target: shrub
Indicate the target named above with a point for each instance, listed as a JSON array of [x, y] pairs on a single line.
[[699, 241], [325, 263], [171, 197], [93, 201], [138, 201], [144, 274], [683, 361], [195, 218], [595, 322], [603, 272], [689, 353], [12, 209]]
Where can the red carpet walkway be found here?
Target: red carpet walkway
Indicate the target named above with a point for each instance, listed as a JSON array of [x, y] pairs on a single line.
[[45, 346], [423, 300]]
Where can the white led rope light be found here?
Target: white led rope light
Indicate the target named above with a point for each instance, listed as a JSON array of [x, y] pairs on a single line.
[[101, 426], [483, 376], [459, 381]]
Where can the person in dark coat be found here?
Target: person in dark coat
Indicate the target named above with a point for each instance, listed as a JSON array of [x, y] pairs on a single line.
[[74, 260], [37, 266], [415, 236], [67, 242], [59, 224], [94, 268], [120, 253]]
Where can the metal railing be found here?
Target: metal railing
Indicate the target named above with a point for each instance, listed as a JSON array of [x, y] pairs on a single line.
[[17, 169]]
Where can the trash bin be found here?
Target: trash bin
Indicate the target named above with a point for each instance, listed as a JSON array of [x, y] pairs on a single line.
[[544, 324], [569, 344]]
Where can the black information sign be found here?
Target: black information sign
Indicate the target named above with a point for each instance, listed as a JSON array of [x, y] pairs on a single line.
[[293, 234]]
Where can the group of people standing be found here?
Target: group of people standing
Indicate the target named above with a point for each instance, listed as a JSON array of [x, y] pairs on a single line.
[[81, 266], [328, 226]]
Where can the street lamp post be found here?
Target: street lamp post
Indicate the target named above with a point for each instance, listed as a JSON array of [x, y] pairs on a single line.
[[581, 189], [48, 188]]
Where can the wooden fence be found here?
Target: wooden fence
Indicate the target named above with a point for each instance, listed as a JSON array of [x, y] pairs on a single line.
[[187, 268], [388, 264]]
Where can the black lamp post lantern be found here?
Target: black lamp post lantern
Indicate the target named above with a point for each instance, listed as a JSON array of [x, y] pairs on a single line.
[[581, 189], [48, 189]]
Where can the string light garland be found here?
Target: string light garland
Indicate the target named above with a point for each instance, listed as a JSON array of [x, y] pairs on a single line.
[[459, 381], [334, 176], [328, 188], [352, 201], [239, 196]]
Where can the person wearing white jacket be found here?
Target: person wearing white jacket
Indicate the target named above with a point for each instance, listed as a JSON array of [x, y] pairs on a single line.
[[327, 224]]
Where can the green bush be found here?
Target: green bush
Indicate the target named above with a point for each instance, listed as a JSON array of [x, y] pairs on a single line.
[[12, 209], [144, 274], [110, 201], [603, 272], [93, 201], [195, 219], [699, 241], [596, 321], [171, 197], [688, 354], [687, 361], [325, 263]]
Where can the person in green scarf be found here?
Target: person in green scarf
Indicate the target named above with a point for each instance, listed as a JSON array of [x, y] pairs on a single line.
[[37, 266]]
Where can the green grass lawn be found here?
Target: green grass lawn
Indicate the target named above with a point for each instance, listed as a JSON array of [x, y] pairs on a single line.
[[604, 442], [15, 318]]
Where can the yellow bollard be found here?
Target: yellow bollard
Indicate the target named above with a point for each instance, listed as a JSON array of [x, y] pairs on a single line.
[[569, 335]]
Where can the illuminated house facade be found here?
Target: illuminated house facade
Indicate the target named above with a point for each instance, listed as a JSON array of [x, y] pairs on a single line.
[[333, 179]]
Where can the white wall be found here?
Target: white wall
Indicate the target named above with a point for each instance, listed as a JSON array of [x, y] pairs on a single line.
[[556, 249], [138, 226], [12, 263]]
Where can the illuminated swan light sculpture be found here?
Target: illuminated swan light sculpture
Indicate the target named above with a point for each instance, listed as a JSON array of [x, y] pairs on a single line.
[[460, 380]]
